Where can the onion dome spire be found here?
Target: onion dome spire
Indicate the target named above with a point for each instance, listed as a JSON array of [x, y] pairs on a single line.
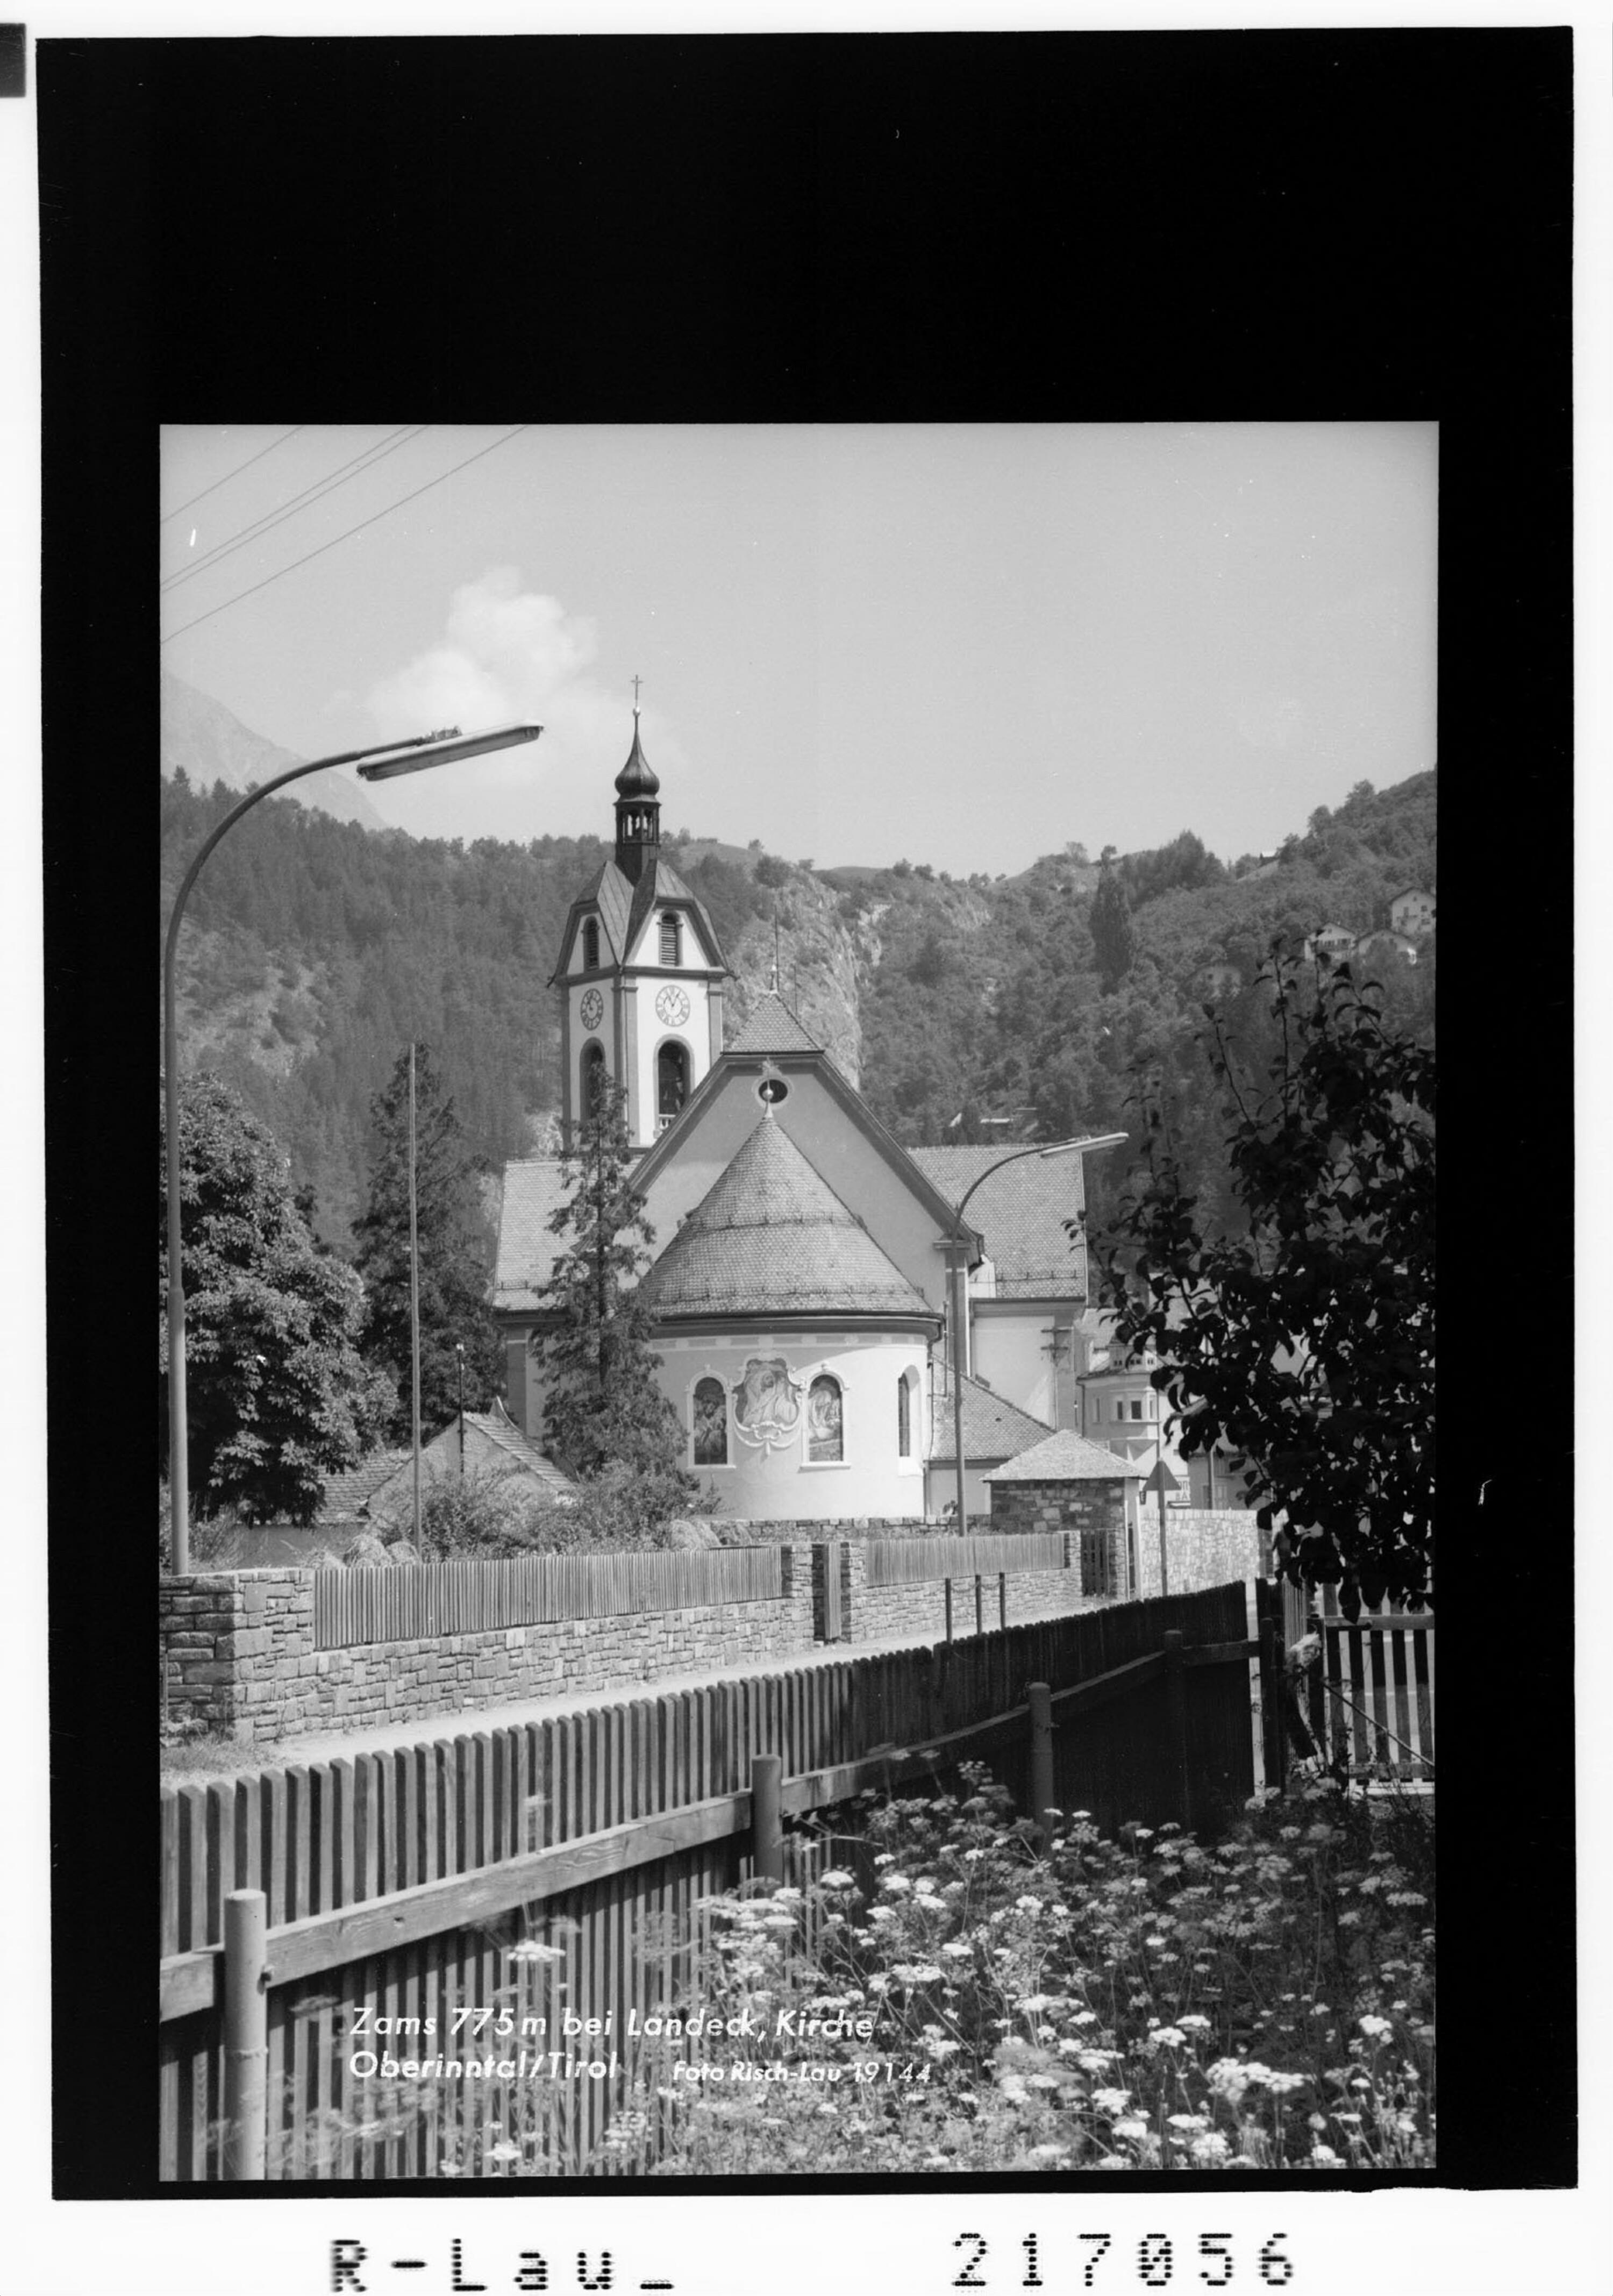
[[638, 817], [635, 778]]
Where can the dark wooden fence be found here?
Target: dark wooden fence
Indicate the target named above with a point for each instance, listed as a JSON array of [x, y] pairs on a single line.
[[386, 1605], [395, 1884]]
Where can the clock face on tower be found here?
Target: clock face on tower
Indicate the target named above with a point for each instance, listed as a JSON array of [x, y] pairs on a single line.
[[592, 1008], [673, 1007]]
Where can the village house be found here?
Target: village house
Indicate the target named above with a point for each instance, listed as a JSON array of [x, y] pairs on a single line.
[[800, 1281], [1122, 1409], [1333, 944], [1413, 911], [484, 1444]]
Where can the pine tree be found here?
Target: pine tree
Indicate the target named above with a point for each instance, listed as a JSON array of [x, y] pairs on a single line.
[[454, 1252], [1114, 942], [606, 1421], [277, 1396]]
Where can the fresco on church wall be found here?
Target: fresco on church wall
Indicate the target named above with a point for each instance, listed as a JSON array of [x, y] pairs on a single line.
[[825, 1441], [776, 1480], [767, 1403], [710, 1424]]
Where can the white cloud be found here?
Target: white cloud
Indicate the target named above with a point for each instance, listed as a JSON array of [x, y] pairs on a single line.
[[508, 654]]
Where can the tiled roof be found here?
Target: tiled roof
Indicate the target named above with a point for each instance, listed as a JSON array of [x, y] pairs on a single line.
[[772, 1238], [532, 1190], [1063, 1458], [500, 1432], [993, 1427], [348, 1495], [1021, 1213], [492, 1441], [772, 1027]]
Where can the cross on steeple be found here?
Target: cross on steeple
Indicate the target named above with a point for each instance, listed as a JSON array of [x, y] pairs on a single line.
[[636, 683]]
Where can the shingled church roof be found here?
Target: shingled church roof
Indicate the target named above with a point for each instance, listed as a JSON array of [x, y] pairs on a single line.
[[772, 1027], [772, 1238]]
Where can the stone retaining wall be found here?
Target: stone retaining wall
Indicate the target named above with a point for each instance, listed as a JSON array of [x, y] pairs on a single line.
[[240, 1656], [733, 1530], [1204, 1547], [1091, 1512]]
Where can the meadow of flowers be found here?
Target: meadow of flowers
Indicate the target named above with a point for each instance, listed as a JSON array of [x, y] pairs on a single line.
[[1145, 2003], [1151, 2002]]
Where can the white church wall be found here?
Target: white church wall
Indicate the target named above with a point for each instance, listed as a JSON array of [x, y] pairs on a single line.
[[941, 1485], [1010, 1351], [767, 1474]]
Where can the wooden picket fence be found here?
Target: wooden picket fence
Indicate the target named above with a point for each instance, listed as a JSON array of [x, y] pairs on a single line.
[[909, 1562], [1370, 1705], [450, 1598], [395, 1884]]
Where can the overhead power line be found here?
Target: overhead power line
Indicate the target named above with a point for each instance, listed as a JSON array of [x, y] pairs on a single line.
[[343, 475], [373, 519], [236, 473]]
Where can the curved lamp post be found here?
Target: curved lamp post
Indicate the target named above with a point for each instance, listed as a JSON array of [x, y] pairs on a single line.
[[379, 763], [958, 1247]]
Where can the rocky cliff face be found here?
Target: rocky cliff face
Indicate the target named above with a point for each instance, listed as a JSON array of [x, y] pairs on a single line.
[[821, 968]]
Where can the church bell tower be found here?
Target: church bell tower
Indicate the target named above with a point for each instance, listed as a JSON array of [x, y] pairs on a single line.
[[641, 974]]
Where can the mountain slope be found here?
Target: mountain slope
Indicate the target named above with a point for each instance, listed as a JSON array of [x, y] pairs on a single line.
[[966, 1011], [201, 740]]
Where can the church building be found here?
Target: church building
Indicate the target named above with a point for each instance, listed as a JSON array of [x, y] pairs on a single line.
[[800, 1281]]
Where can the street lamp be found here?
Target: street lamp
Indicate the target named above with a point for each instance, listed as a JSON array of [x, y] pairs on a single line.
[[958, 1247], [380, 762]]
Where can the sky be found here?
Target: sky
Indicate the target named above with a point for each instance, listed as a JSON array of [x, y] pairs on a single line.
[[960, 644]]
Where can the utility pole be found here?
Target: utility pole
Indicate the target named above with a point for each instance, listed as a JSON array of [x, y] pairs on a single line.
[[415, 1307]]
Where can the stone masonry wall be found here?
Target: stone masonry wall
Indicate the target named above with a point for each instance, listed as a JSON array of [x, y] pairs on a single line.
[[246, 1664], [198, 1621], [1094, 1510], [733, 1530], [1203, 1548], [239, 1651]]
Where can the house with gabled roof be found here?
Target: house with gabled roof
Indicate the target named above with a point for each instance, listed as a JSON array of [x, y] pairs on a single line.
[[1413, 911], [483, 1443], [800, 1276]]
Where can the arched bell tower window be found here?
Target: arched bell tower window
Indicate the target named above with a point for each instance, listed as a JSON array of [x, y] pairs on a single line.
[[825, 1427], [671, 940], [671, 1082], [710, 1424], [592, 1076], [591, 945]]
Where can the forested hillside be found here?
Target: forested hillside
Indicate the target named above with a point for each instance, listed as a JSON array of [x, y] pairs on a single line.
[[984, 1009]]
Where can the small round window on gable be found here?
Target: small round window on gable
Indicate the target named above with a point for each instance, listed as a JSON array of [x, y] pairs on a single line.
[[773, 1089]]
